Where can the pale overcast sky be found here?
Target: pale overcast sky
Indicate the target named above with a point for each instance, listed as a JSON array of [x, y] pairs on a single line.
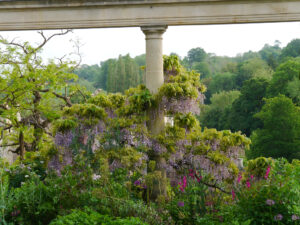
[[229, 40]]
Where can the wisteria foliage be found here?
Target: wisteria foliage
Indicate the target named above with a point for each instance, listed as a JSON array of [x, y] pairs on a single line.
[[120, 133]]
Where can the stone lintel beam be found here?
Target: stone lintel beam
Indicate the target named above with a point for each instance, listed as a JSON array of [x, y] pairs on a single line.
[[154, 57], [72, 14]]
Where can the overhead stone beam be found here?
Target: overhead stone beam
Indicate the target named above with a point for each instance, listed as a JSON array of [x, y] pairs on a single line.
[[57, 14]]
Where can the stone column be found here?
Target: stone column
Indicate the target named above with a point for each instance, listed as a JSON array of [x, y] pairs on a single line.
[[154, 80], [154, 57], [154, 72]]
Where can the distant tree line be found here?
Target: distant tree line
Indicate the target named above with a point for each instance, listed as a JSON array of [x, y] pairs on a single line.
[[113, 75], [257, 93]]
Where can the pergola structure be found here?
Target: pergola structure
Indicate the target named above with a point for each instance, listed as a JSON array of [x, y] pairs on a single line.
[[153, 16]]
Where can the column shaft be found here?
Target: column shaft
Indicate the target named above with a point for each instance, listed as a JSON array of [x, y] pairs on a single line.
[[154, 80], [154, 57]]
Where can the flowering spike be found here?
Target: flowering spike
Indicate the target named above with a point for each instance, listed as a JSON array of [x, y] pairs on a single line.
[[248, 184], [239, 178], [233, 195], [267, 172]]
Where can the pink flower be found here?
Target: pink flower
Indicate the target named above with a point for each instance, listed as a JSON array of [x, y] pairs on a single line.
[[248, 184], [233, 194], [191, 174], [183, 184], [267, 172], [184, 181], [239, 178], [295, 217], [270, 202], [278, 217], [180, 204], [252, 177], [199, 179], [15, 213]]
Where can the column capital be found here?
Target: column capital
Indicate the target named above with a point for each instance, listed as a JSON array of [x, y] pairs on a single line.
[[157, 29]]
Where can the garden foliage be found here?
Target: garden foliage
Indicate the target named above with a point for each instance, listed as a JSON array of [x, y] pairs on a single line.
[[103, 164]]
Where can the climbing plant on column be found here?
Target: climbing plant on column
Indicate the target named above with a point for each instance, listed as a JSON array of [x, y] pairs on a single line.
[[123, 139]]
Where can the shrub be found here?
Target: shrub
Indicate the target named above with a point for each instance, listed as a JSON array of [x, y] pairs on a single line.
[[38, 201], [90, 217], [32, 203], [192, 199], [273, 198]]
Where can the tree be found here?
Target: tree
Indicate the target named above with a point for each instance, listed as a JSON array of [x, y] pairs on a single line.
[[196, 55], [122, 73], [247, 56], [111, 76], [284, 76], [249, 103], [271, 54], [291, 50], [221, 82], [89, 73], [253, 68], [280, 135], [215, 115], [140, 60], [293, 90], [133, 77], [86, 84], [32, 93], [202, 68]]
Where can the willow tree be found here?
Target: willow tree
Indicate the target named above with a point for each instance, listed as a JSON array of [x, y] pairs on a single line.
[[31, 93]]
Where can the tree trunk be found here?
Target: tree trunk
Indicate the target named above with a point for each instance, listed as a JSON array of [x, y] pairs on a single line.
[[22, 145]]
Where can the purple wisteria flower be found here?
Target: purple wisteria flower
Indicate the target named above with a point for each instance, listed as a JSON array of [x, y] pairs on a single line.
[[180, 204], [137, 182], [174, 183], [181, 104], [64, 139], [270, 202], [278, 217]]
